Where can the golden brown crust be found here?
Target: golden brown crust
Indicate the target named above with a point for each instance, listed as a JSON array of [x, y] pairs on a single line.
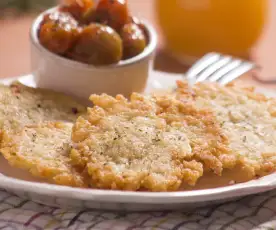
[[208, 142], [125, 145], [21, 105], [246, 118], [43, 150], [209, 147]]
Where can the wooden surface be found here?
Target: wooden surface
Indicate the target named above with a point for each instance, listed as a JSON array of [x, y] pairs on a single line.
[[14, 44]]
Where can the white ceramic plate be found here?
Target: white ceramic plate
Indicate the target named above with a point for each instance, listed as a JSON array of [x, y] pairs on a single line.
[[62, 196]]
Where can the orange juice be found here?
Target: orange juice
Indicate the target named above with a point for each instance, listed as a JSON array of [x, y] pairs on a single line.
[[195, 27]]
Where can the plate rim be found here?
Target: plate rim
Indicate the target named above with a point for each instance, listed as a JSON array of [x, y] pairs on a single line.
[[242, 189], [101, 195]]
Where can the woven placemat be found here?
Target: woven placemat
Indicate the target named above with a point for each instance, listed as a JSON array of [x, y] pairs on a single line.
[[256, 212]]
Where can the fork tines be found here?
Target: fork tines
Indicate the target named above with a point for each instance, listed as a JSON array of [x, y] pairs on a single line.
[[215, 67]]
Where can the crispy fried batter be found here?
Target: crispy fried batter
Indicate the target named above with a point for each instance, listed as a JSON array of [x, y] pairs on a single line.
[[43, 150], [125, 145], [21, 105], [247, 119], [209, 144]]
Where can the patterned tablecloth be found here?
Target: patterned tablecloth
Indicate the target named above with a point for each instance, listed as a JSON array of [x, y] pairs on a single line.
[[256, 212]]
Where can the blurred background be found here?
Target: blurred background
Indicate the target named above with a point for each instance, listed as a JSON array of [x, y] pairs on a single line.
[[187, 29]]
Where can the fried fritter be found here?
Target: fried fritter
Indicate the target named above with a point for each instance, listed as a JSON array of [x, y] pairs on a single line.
[[248, 121], [125, 145], [21, 105], [43, 150], [208, 142]]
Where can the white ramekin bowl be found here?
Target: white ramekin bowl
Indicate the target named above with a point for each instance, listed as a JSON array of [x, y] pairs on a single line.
[[81, 80]]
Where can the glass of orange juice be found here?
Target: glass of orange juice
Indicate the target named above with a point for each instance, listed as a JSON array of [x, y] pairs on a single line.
[[192, 28]]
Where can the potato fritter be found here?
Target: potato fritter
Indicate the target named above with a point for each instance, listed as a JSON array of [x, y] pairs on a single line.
[[125, 145], [21, 105], [209, 144], [43, 150], [247, 119]]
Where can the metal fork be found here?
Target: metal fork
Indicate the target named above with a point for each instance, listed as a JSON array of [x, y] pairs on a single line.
[[215, 67]]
